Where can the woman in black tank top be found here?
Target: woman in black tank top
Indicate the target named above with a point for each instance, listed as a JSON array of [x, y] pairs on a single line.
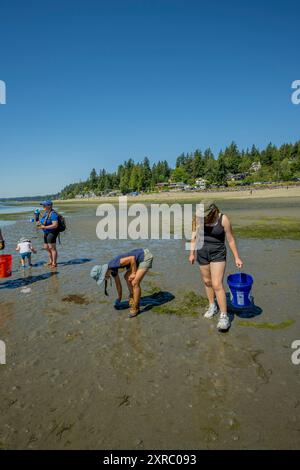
[[212, 258], [215, 233]]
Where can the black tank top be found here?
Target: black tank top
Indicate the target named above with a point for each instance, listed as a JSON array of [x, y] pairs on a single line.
[[214, 233]]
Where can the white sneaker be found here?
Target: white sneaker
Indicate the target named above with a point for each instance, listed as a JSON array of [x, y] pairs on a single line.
[[224, 322], [212, 310]]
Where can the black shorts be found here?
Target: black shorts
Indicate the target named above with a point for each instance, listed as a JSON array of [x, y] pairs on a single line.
[[50, 237], [211, 253]]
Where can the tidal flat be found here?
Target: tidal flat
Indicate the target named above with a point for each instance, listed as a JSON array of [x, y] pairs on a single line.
[[81, 375]]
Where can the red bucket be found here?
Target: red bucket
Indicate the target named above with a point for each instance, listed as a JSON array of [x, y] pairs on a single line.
[[5, 265]]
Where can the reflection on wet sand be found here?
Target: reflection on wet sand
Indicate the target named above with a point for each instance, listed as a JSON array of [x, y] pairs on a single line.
[[6, 313]]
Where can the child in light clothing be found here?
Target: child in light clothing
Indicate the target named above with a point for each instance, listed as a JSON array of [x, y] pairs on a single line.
[[25, 248]]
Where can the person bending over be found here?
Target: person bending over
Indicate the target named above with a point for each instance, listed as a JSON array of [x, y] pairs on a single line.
[[136, 262]]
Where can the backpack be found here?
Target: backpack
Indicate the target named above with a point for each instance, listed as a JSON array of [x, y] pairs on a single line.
[[61, 221]]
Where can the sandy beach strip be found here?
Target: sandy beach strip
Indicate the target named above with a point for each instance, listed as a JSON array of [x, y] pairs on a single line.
[[257, 193]]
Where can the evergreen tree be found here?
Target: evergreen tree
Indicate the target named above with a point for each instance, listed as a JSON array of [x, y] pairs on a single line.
[[179, 175]]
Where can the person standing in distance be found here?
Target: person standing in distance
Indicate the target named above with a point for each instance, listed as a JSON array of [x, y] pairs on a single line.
[[49, 224], [2, 242]]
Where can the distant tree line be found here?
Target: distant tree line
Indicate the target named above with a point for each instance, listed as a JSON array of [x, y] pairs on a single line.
[[276, 164], [30, 198]]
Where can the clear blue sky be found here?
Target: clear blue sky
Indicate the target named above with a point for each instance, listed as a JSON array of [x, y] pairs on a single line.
[[92, 83]]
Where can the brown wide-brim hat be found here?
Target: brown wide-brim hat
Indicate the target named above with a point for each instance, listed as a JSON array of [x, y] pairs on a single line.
[[208, 205]]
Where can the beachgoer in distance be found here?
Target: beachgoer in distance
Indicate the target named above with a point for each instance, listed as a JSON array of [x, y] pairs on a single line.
[[2, 242], [50, 227], [136, 262], [212, 258], [25, 248], [37, 214]]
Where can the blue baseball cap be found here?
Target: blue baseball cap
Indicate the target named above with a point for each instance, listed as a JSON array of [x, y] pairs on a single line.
[[46, 203]]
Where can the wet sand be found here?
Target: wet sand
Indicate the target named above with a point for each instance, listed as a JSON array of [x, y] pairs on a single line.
[[81, 375]]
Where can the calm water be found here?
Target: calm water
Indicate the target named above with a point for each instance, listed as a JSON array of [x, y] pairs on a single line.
[[14, 209], [6, 209]]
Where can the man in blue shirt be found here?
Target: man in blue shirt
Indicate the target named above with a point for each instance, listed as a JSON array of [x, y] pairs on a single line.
[[49, 225]]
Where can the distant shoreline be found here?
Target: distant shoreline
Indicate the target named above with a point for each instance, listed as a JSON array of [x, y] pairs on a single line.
[[257, 193]]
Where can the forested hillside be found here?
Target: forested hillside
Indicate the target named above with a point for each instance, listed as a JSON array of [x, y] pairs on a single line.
[[247, 166]]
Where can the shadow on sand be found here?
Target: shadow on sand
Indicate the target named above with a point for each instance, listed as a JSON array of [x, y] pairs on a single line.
[[246, 312], [149, 301], [25, 281], [72, 262], [38, 264]]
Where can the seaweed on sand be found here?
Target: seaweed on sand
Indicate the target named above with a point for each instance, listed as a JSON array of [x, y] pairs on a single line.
[[3, 446], [272, 228], [266, 325], [187, 305], [192, 299], [153, 273], [72, 335], [76, 299], [151, 288]]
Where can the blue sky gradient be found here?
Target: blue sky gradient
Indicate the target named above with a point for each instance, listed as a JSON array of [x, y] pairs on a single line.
[[92, 83]]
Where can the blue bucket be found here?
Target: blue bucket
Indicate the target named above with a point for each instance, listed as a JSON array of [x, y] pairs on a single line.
[[240, 285]]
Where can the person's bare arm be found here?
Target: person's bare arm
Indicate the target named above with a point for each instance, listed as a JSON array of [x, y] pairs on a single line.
[[133, 267], [18, 248], [192, 249], [118, 286], [49, 227], [231, 241], [194, 241]]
